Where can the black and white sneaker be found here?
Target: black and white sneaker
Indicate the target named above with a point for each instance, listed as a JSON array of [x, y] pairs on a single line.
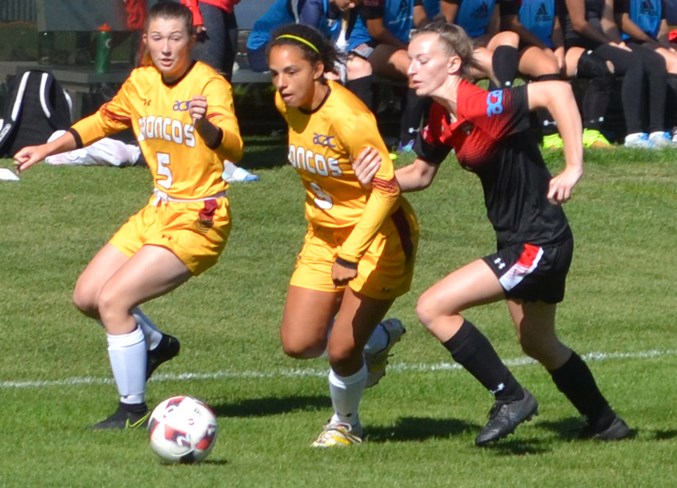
[[126, 417], [504, 417], [167, 349]]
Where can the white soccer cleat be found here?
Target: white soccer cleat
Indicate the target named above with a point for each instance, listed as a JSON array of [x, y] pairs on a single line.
[[377, 362], [339, 435]]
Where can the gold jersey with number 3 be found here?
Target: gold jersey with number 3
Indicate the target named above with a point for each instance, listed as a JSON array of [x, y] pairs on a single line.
[[322, 145]]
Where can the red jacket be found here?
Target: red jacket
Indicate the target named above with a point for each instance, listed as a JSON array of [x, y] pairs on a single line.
[[227, 5]]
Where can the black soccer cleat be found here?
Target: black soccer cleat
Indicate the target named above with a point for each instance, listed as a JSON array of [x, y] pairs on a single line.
[[504, 417], [126, 417], [615, 431], [167, 349]]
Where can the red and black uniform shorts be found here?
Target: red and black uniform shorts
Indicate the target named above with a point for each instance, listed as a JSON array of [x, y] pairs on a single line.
[[533, 273]]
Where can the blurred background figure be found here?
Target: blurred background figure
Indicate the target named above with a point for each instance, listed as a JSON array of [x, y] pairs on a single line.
[[216, 27]]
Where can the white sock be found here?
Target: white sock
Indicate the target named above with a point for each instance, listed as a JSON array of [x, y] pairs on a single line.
[[346, 394], [150, 330], [127, 353], [378, 341]]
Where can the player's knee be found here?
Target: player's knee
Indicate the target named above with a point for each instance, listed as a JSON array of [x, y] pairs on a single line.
[[592, 66], [85, 301], [542, 349], [301, 349], [426, 311], [342, 354]]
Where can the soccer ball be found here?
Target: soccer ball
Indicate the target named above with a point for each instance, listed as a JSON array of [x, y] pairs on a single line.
[[182, 429]]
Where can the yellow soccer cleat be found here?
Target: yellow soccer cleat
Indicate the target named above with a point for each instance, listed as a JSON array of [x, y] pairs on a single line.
[[339, 435]]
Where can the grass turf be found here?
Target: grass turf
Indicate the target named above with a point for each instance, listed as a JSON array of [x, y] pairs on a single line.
[[421, 419]]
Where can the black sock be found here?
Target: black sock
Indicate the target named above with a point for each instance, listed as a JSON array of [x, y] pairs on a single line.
[[134, 407], [411, 116], [362, 87], [472, 350], [545, 120], [575, 380], [504, 63]]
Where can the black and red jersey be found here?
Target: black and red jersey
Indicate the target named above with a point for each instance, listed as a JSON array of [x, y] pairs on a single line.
[[490, 138]]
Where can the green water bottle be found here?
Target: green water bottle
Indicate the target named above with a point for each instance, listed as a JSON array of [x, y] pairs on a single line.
[[103, 48]]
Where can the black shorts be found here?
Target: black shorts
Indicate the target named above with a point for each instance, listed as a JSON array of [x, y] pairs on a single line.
[[533, 273]]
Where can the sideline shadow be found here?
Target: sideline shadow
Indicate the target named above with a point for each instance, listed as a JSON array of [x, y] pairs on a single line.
[[517, 447], [408, 429], [567, 428], [261, 407], [418, 429], [570, 429]]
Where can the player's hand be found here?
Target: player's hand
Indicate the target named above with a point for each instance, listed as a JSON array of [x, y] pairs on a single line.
[[28, 156], [198, 109], [341, 274], [367, 165], [562, 185]]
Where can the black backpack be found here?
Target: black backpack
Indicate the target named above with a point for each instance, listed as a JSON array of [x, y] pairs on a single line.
[[35, 107]]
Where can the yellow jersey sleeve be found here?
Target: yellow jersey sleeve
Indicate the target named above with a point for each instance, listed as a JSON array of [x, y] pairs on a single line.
[[359, 132]]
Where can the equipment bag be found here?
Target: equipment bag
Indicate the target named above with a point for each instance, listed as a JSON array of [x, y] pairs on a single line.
[[35, 107]]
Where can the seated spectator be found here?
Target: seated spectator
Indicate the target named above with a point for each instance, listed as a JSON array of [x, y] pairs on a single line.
[[335, 18], [495, 51], [590, 26], [324, 15], [644, 24], [542, 57], [381, 36], [430, 10]]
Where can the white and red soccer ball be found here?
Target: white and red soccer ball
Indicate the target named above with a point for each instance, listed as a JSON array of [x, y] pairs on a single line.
[[182, 429]]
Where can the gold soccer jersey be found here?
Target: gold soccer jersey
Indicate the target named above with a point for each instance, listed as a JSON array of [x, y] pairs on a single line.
[[322, 145], [182, 165]]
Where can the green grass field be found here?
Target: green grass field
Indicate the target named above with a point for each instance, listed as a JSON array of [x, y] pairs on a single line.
[[420, 421]]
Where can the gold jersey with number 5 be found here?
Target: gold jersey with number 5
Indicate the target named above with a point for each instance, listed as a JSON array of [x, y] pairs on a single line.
[[189, 213]]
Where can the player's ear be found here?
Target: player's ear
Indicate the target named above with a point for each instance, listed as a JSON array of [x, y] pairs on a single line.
[[318, 70], [454, 65]]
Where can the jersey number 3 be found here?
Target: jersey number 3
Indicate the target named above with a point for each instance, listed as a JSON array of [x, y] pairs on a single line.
[[322, 199]]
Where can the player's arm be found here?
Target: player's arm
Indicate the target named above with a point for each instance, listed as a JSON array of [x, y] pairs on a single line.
[[372, 12], [414, 177], [510, 20], [357, 134], [449, 9], [111, 117], [419, 15], [580, 24], [215, 121], [558, 98], [30, 155]]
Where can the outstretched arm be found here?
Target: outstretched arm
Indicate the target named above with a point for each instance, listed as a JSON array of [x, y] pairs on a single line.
[[30, 155], [558, 98], [414, 177]]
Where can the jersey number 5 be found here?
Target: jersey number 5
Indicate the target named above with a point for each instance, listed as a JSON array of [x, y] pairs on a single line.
[[163, 170]]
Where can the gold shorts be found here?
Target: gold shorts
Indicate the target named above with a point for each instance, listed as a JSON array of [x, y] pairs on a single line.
[[384, 272], [196, 232]]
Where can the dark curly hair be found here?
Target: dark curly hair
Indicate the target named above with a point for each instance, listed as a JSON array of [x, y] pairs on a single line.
[[313, 44]]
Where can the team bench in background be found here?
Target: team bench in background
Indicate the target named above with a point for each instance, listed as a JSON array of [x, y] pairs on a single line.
[[82, 81]]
